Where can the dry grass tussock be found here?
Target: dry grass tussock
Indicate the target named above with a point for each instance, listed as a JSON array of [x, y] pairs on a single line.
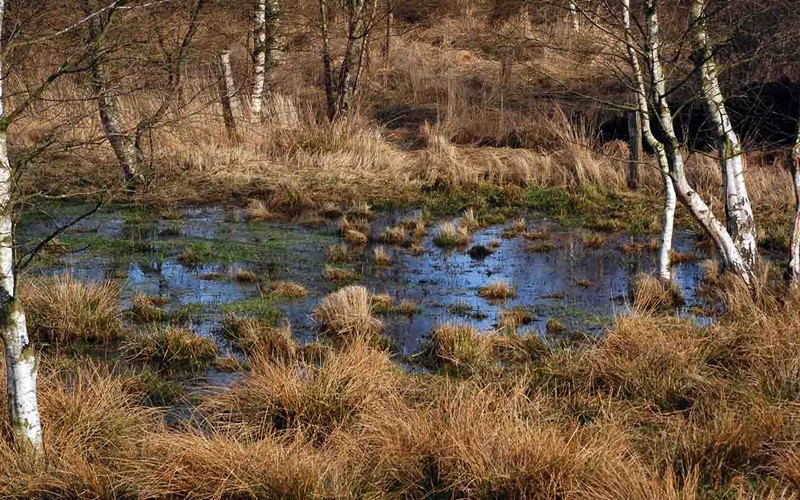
[[64, 309], [348, 313]]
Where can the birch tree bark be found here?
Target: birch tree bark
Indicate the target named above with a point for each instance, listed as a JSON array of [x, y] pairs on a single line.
[[670, 199], [259, 57], [20, 357], [732, 259], [573, 16], [351, 64], [738, 209], [266, 50], [793, 268]]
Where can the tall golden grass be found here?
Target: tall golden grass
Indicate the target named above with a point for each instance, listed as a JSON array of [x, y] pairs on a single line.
[[658, 408]]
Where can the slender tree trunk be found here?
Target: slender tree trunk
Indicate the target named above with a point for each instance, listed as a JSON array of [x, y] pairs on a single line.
[[20, 356], [732, 260], [387, 35], [738, 209], [327, 67], [793, 269], [259, 58], [635, 147], [273, 41], [573, 16], [227, 97], [128, 152], [266, 51], [351, 64], [670, 200]]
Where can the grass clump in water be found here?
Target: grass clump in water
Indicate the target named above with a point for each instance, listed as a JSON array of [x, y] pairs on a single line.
[[458, 347], [395, 235], [381, 258], [256, 335], [64, 309], [147, 308], [348, 313], [287, 290], [339, 274], [339, 253], [172, 348], [498, 290], [450, 236]]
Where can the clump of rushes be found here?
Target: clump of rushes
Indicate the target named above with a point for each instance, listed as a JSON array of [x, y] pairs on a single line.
[[458, 347], [468, 221], [517, 227], [541, 247], [257, 335], [381, 258], [172, 348], [287, 290], [355, 237], [381, 303], [196, 254], [633, 247], [348, 314], [554, 326], [681, 257], [350, 224], [652, 294], [147, 308], [416, 249], [361, 210], [585, 283], [339, 274], [257, 210], [245, 276], [448, 236], [416, 226], [498, 290], [394, 235], [593, 240], [63, 309], [339, 253], [407, 307], [536, 234], [513, 318]]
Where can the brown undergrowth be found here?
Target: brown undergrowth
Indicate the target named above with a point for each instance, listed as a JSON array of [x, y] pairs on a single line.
[[658, 408]]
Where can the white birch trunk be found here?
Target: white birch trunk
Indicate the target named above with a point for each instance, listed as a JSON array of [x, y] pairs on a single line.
[[793, 269], [738, 209], [573, 16], [259, 57], [732, 259], [670, 199], [20, 356]]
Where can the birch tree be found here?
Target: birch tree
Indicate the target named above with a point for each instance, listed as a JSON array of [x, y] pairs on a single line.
[[19, 352], [126, 143], [793, 268], [20, 357], [732, 259], [640, 92], [738, 209], [341, 95], [266, 50]]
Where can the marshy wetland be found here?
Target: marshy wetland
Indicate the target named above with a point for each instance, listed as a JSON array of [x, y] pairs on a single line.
[[198, 265]]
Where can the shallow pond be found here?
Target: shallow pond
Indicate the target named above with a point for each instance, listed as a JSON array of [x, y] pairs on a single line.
[[579, 283]]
